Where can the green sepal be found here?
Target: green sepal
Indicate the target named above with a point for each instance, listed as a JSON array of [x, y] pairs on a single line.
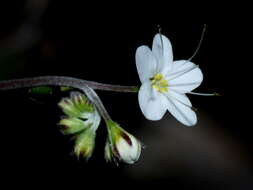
[[108, 152], [82, 120], [73, 125], [115, 131], [136, 89], [80, 114], [85, 143], [76, 106]]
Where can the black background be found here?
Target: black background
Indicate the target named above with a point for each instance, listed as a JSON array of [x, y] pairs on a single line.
[[98, 42]]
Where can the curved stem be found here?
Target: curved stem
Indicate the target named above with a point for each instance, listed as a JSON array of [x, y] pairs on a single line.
[[85, 86], [62, 81], [93, 97]]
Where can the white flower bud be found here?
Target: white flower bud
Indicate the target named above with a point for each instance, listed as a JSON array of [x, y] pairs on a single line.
[[128, 148], [121, 145]]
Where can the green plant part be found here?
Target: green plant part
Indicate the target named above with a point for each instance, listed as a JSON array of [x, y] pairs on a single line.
[[65, 88], [82, 120], [72, 125], [77, 106], [85, 143], [41, 90]]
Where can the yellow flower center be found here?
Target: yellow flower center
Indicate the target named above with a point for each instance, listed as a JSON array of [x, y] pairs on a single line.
[[159, 83]]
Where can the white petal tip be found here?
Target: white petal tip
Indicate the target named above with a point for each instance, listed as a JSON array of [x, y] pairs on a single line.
[[190, 123]]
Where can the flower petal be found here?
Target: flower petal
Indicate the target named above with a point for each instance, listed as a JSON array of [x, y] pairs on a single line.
[[185, 76], [179, 97], [182, 112], [152, 103], [145, 62], [162, 49]]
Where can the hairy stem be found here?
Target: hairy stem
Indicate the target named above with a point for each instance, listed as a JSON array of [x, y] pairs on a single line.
[[85, 86], [93, 97], [62, 81]]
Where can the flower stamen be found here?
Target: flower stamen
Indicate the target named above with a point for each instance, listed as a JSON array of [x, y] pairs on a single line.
[[159, 83]]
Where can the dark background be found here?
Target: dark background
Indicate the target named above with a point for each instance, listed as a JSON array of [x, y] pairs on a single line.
[[98, 42]]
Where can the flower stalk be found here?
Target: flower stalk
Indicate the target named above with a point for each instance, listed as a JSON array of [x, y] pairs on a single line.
[[63, 81], [86, 86]]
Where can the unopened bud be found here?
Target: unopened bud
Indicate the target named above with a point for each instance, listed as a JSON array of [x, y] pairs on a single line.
[[121, 144], [85, 144]]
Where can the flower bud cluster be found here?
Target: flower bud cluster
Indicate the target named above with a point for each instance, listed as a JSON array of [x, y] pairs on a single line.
[[82, 120]]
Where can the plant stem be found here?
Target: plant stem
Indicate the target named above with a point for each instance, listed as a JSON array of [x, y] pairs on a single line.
[[93, 97], [62, 81], [83, 85]]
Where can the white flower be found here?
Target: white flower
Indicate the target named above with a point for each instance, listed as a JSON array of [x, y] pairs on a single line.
[[165, 82]]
